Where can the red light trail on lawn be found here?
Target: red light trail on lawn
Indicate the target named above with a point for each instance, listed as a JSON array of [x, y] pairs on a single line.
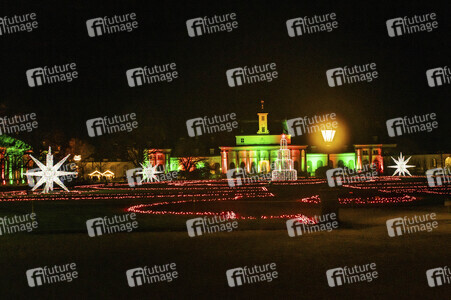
[[181, 193]]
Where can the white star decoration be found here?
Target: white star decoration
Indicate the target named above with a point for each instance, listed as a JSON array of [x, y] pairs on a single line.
[[401, 166], [148, 173], [49, 173]]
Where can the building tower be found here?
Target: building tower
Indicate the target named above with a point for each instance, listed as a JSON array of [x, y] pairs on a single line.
[[283, 166], [263, 120]]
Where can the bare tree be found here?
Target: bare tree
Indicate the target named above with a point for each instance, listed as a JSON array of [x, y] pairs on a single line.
[[189, 163]]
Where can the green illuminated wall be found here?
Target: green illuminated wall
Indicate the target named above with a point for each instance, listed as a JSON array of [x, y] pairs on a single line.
[[174, 164], [348, 160], [260, 139], [316, 160]]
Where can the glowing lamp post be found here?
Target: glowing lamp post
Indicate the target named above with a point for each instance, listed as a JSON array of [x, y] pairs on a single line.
[[77, 159], [329, 196], [328, 136]]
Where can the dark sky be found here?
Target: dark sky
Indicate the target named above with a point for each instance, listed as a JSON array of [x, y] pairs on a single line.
[[202, 89]]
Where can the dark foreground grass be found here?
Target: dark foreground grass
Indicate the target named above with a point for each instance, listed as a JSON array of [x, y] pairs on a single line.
[[202, 261]]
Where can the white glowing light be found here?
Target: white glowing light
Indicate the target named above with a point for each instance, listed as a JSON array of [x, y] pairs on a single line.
[[149, 173], [49, 173], [328, 135], [401, 166]]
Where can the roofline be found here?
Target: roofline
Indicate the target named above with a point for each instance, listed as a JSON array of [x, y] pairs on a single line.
[[267, 147], [376, 145]]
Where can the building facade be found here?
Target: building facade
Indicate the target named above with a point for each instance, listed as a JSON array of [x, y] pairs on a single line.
[[15, 160], [257, 153]]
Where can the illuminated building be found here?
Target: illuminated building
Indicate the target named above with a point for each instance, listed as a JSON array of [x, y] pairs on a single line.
[[14, 160], [256, 153]]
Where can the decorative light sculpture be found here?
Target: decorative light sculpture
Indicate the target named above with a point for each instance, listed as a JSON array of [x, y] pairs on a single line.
[[49, 173], [149, 173], [401, 166], [283, 166]]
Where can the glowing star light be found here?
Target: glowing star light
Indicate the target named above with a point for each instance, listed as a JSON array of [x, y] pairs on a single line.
[[401, 166], [49, 173], [149, 173]]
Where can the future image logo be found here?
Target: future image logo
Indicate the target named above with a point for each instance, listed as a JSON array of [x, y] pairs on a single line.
[[209, 25], [147, 275], [438, 276], [248, 275], [409, 25], [438, 176], [406, 225], [110, 25], [299, 226], [313, 24], [408, 125], [222, 223], [18, 123], [110, 225], [155, 74], [339, 176], [347, 275], [109, 125], [214, 124], [47, 275], [438, 76], [250, 75], [18, 23], [349, 75], [307, 125], [49, 75], [239, 176], [18, 223]]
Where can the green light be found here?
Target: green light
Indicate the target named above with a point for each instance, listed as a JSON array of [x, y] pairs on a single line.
[[315, 161], [347, 159], [15, 150]]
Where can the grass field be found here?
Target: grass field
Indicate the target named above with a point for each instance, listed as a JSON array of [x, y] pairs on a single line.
[[202, 261]]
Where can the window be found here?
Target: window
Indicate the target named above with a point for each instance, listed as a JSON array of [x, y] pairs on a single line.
[[212, 151], [263, 118], [242, 140], [263, 129], [365, 152], [376, 152]]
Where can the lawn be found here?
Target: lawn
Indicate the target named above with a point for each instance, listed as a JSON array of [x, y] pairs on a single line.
[[202, 261]]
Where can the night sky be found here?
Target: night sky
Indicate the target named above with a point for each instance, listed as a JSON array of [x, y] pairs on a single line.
[[201, 89]]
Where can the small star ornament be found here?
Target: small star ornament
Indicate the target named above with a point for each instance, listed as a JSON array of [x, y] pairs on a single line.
[[149, 173], [49, 173], [401, 166]]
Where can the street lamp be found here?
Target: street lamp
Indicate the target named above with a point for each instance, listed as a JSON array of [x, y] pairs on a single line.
[[328, 195], [77, 158], [328, 136]]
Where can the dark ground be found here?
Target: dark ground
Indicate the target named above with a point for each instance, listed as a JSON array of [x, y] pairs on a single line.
[[202, 261]]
